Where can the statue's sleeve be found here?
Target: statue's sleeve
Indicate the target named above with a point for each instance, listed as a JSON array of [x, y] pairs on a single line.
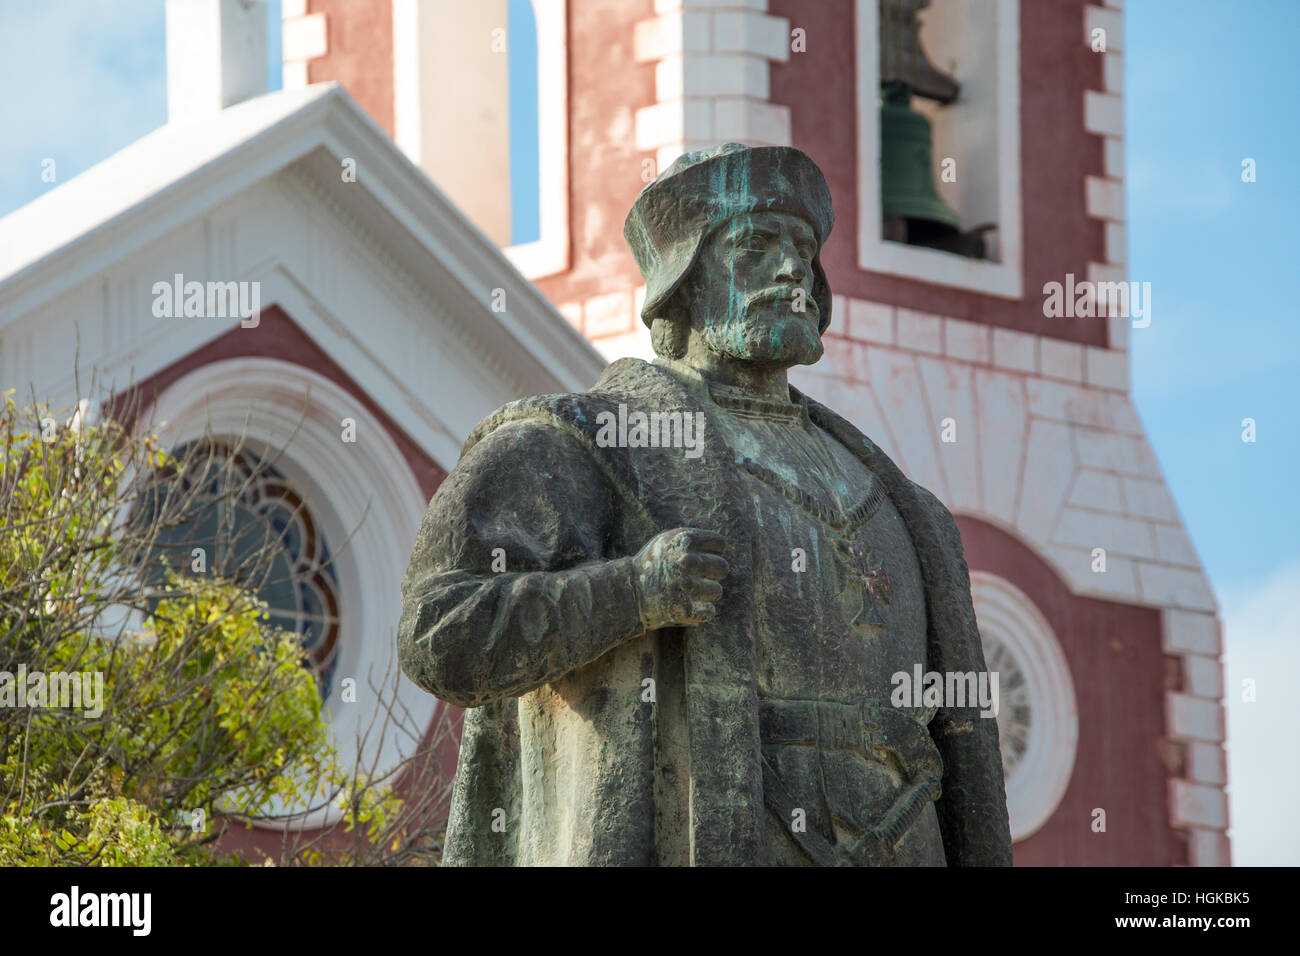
[[510, 584]]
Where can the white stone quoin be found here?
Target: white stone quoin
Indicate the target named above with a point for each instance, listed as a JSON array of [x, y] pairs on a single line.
[[216, 55]]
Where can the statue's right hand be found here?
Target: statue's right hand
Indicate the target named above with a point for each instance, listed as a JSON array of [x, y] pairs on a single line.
[[677, 575]]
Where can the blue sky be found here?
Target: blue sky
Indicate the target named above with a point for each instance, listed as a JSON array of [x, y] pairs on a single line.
[[1208, 84], [1205, 89], [525, 225]]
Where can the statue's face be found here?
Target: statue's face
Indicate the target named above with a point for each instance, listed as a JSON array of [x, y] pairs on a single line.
[[751, 290]]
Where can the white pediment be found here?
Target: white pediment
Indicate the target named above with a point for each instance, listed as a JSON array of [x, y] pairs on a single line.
[[387, 277]]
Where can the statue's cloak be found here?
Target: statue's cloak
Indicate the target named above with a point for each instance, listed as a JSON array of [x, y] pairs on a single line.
[[648, 752]]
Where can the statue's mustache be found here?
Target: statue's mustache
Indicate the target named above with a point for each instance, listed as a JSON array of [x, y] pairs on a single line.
[[784, 294]]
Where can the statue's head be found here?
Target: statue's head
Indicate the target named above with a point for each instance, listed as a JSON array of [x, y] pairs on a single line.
[[728, 240]]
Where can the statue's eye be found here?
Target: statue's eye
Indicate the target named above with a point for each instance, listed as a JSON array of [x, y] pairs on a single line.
[[754, 242], [806, 251]]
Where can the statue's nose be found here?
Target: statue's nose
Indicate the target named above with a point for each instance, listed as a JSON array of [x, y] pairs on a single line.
[[793, 268]]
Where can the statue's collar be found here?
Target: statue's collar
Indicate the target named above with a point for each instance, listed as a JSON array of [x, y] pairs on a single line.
[[732, 399]]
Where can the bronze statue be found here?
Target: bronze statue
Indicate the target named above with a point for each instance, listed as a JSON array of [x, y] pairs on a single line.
[[675, 604]]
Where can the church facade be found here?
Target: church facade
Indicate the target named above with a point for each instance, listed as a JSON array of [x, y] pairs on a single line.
[[996, 376]]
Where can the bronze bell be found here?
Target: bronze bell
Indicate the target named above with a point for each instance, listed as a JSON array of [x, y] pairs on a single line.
[[912, 210], [907, 190]]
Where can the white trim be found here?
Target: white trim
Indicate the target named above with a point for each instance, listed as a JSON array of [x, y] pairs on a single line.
[[1005, 278], [1040, 779], [549, 254], [363, 494], [304, 38], [1196, 639], [407, 125], [1103, 115]]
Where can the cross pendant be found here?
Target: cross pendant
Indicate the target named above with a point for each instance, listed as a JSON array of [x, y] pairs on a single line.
[[872, 584]]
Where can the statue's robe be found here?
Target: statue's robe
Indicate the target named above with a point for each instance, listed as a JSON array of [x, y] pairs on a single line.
[[589, 740]]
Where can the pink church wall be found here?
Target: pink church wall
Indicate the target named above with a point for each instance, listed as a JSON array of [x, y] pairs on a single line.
[[1120, 676]]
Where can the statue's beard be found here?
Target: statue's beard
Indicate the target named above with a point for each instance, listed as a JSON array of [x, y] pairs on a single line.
[[765, 328]]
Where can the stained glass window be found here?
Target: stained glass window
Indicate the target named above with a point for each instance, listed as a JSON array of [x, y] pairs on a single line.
[[254, 528]]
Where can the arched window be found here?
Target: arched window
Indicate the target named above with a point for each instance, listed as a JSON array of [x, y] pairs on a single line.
[[247, 525], [481, 105], [364, 507], [1038, 719]]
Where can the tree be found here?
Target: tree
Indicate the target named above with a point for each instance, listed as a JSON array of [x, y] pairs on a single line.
[[148, 705]]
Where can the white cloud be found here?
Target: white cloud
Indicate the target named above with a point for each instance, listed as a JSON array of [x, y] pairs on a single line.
[[1262, 638]]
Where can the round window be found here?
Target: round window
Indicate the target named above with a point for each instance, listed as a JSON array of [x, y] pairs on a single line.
[[1038, 721]]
